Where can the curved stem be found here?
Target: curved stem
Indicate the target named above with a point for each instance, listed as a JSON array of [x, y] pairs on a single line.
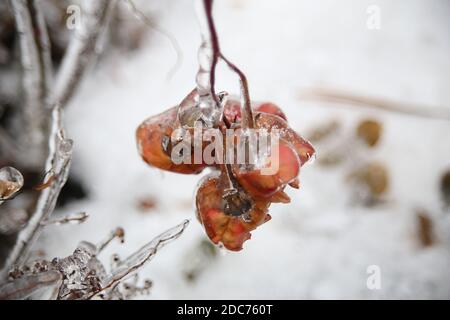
[[211, 40], [215, 47], [247, 112]]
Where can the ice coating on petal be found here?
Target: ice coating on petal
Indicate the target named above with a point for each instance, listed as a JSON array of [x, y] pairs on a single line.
[[303, 148], [154, 143], [266, 185]]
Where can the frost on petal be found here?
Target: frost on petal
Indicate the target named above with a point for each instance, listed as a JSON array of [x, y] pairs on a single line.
[[154, 142], [303, 148], [286, 170]]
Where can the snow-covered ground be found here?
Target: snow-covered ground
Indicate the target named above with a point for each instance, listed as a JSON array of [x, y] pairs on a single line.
[[321, 244]]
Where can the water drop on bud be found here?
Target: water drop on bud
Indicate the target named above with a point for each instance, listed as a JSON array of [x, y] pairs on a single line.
[[11, 181]]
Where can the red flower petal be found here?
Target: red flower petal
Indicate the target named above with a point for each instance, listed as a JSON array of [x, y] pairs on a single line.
[[262, 185], [153, 140], [271, 108], [229, 230], [303, 148]]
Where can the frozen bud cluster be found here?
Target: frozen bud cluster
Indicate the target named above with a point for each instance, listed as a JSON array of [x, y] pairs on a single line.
[[235, 198]]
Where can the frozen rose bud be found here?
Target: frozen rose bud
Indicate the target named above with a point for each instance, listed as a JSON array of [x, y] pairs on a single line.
[[271, 108], [264, 184], [303, 148], [155, 146], [231, 231]]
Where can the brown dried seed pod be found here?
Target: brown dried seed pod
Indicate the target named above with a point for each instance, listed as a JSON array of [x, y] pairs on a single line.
[[374, 176], [425, 228], [369, 131], [445, 187]]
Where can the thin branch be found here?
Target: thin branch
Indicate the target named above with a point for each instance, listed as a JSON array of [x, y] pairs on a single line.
[[36, 65], [28, 285], [136, 261], [210, 47], [74, 218], [210, 39], [141, 16], [83, 45], [346, 98], [247, 114], [58, 162], [117, 233]]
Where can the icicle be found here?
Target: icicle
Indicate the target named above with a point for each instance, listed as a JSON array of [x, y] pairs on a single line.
[[133, 263], [207, 108]]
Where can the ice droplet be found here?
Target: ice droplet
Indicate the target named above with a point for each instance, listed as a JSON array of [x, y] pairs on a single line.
[[11, 181], [65, 147], [195, 108], [203, 83], [205, 55]]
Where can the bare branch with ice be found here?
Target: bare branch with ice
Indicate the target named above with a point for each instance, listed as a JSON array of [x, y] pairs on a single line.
[[82, 276], [71, 218], [82, 47], [136, 261], [28, 285], [58, 164], [36, 79]]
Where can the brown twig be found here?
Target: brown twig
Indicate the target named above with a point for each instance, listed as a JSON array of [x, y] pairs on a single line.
[[73, 218], [116, 233], [247, 114], [141, 16], [214, 41], [341, 97], [212, 38]]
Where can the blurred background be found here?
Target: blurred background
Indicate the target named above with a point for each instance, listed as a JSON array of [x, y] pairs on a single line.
[[367, 82]]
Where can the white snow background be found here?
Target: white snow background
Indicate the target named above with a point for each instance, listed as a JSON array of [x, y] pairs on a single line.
[[320, 245]]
